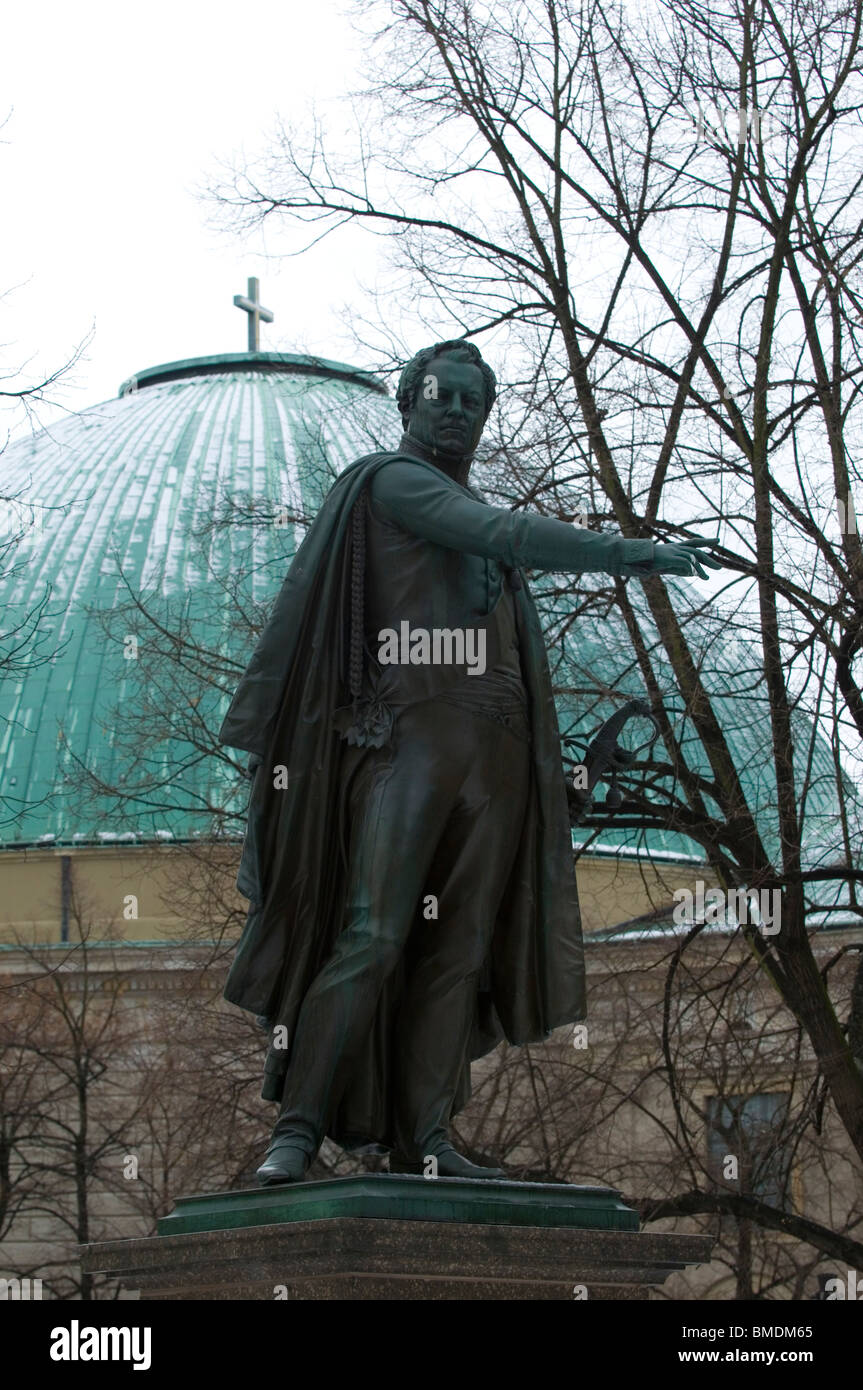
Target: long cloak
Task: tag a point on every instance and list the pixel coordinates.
(293, 863)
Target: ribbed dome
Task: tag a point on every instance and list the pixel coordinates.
(126, 487)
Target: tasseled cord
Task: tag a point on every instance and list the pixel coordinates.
(358, 585)
(366, 723)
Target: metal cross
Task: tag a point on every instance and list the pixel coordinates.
(255, 312)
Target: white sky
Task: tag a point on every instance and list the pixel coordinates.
(117, 117)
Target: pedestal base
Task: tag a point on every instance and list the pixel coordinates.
(383, 1236)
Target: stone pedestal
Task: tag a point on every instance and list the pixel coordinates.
(383, 1236)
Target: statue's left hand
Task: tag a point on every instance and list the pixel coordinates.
(684, 557)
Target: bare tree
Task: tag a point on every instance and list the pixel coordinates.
(695, 1091)
(115, 1096)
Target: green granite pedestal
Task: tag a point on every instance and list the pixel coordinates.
(382, 1236)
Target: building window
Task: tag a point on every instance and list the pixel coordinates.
(749, 1130)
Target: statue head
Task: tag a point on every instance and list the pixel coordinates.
(445, 395)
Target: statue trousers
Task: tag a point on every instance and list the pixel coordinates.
(437, 815)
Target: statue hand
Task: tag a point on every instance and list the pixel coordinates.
(685, 557)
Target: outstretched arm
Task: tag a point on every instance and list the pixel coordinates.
(430, 505)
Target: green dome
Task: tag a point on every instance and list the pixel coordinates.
(126, 487)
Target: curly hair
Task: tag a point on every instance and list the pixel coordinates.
(411, 378)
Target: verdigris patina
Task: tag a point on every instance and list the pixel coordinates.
(411, 882)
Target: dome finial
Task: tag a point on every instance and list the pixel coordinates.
(249, 303)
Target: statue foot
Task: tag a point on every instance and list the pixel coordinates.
(450, 1164)
(284, 1163)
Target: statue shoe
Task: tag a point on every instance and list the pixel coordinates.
(285, 1162)
(450, 1164)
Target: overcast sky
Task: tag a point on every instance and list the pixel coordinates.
(117, 114)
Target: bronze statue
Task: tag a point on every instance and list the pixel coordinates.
(408, 856)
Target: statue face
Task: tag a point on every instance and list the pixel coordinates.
(449, 412)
